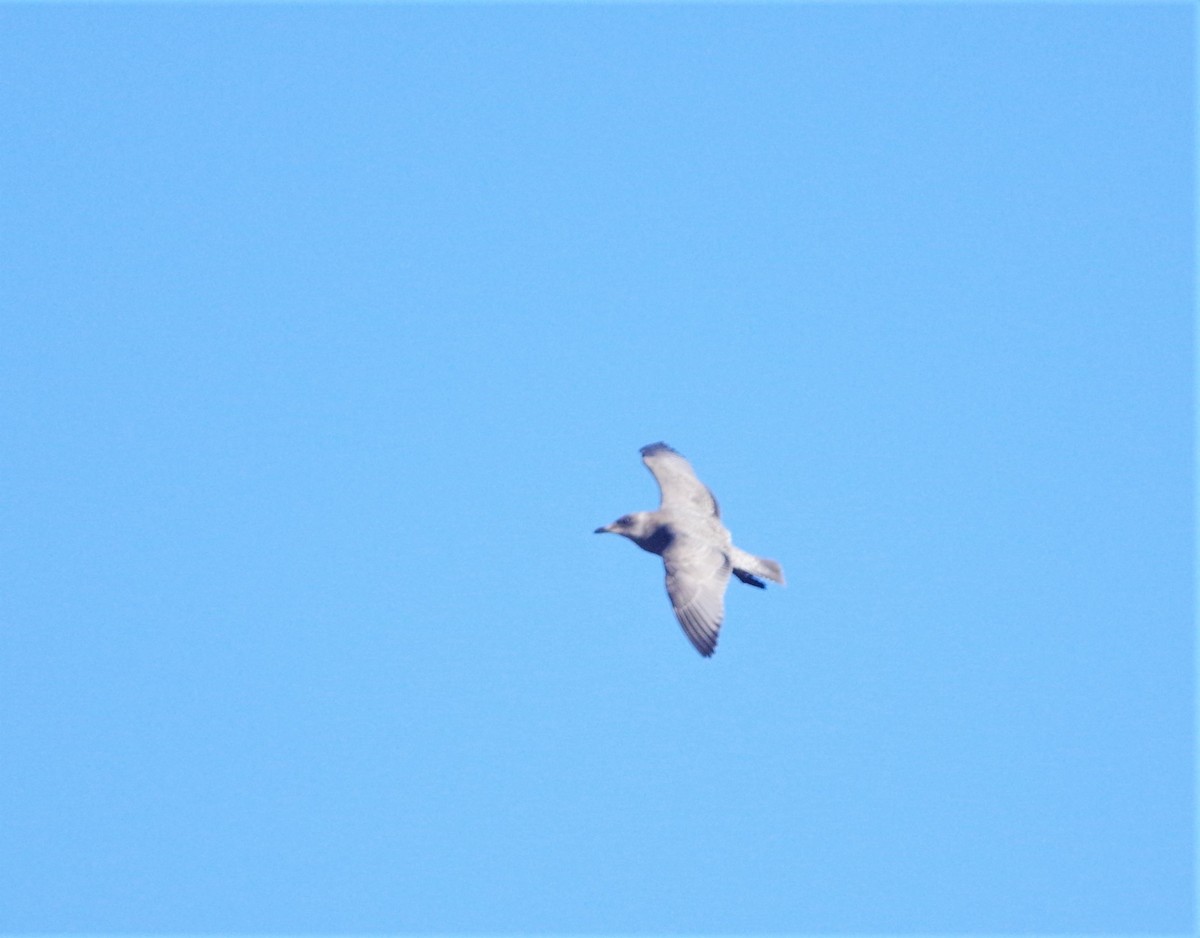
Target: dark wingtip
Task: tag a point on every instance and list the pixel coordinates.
(652, 448)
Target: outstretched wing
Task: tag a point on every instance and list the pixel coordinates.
(696, 581)
(681, 490)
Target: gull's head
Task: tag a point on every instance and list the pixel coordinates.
(634, 526)
(641, 527)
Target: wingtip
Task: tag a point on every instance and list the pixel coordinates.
(651, 448)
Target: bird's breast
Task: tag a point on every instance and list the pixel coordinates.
(657, 540)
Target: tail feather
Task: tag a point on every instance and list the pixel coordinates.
(751, 566)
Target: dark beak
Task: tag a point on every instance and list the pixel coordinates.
(600, 531)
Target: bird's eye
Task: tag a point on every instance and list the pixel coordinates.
(624, 520)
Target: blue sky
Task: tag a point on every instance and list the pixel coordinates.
(330, 334)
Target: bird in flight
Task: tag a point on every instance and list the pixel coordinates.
(696, 548)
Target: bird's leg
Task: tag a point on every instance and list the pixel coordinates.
(749, 579)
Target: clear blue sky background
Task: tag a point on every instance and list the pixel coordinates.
(330, 334)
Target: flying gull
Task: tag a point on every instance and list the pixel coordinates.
(695, 546)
